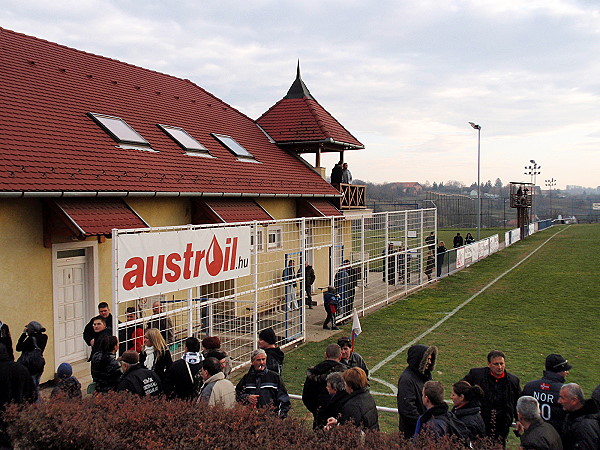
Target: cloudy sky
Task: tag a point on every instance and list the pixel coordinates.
(404, 77)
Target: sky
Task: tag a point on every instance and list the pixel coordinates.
(404, 78)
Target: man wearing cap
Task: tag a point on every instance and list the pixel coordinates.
(136, 378)
(547, 389)
(275, 357)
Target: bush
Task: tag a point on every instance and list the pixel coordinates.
(120, 420)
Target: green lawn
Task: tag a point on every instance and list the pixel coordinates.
(548, 304)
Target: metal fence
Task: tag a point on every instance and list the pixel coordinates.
(371, 259)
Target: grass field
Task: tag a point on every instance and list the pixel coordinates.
(548, 304)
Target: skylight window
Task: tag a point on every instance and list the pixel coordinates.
(119, 130)
(233, 146)
(184, 139)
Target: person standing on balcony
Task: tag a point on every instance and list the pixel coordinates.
(346, 175)
(336, 173)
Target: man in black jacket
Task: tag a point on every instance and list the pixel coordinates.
(309, 280)
(533, 431)
(88, 331)
(137, 379)
(315, 394)
(581, 429)
(261, 387)
(547, 389)
(421, 361)
(183, 377)
(501, 391)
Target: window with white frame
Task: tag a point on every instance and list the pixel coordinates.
(274, 238)
(260, 239)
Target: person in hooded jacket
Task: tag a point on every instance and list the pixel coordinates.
(16, 386)
(358, 408)
(275, 357)
(467, 408)
(183, 376)
(581, 428)
(33, 336)
(105, 369)
(315, 394)
(421, 361)
(67, 386)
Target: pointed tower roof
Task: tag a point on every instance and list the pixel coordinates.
(299, 121)
(298, 89)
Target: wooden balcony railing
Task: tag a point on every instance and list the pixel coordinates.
(353, 196)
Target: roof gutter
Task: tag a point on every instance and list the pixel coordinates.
(322, 141)
(88, 194)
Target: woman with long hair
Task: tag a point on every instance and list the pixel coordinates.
(156, 355)
(105, 368)
(359, 407)
(467, 407)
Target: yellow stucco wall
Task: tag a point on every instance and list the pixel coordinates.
(25, 272)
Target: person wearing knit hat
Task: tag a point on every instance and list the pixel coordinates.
(547, 389)
(275, 357)
(68, 386)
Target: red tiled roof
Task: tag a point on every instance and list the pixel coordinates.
(237, 210)
(92, 216)
(303, 119)
(323, 208)
(48, 143)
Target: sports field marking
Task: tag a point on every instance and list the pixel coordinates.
(458, 308)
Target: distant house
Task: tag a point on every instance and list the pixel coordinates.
(89, 144)
(407, 187)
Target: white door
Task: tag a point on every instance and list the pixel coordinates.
(71, 282)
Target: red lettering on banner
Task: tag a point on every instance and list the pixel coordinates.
(214, 260)
(233, 253)
(152, 279)
(173, 267)
(199, 256)
(154, 270)
(226, 259)
(134, 278)
(187, 257)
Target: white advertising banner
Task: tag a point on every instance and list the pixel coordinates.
(494, 243)
(460, 258)
(507, 240)
(156, 263)
(484, 248)
(474, 252)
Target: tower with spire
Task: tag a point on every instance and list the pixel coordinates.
(298, 123)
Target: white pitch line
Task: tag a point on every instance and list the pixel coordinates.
(458, 308)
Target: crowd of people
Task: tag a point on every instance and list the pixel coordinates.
(549, 413)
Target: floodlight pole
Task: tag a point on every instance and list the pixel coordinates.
(533, 170)
(478, 128)
(550, 184)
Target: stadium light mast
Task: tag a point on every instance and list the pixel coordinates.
(478, 128)
(550, 184)
(533, 170)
